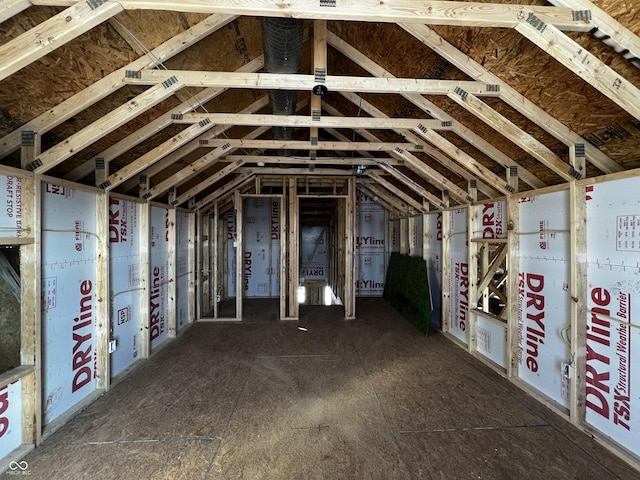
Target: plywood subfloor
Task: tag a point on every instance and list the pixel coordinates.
(366, 399)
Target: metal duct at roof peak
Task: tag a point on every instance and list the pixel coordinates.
(282, 40)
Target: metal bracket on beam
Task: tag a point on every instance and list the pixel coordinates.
(33, 165)
(28, 138)
(132, 74)
(93, 4)
(104, 185)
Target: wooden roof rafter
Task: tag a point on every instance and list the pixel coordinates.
(432, 109)
(512, 97)
(112, 82)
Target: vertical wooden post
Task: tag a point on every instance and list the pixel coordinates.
(239, 208)
(145, 265)
(446, 269)
(294, 256)
(172, 273)
(425, 231)
(473, 228)
(103, 304)
(513, 269)
(320, 72)
(214, 261)
(192, 266)
(200, 259)
(283, 255)
(350, 284)
(577, 160)
(30, 148)
(30, 305)
(578, 275)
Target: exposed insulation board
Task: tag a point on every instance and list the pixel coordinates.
(159, 291)
(126, 293)
(491, 220)
(416, 237)
(491, 339)
(10, 417)
(544, 298)
(433, 253)
(69, 293)
(182, 238)
(613, 298)
(262, 248)
(231, 253)
(370, 247)
(459, 268)
(313, 253)
(11, 209)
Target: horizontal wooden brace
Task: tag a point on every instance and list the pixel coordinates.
(300, 82)
(307, 145)
(351, 161)
(305, 121)
(472, 14)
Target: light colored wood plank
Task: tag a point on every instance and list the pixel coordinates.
(283, 252)
(583, 63)
(53, 33)
(617, 35)
(172, 274)
(431, 174)
(578, 305)
(350, 248)
(433, 110)
(103, 296)
(507, 93)
(281, 81)
(307, 145)
(429, 12)
(213, 196)
(464, 159)
(446, 269)
(156, 125)
(319, 68)
(191, 146)
(509, 130)
(474, 290)
(342, 161)
(196, 167)
(9, 8)
(145, 280)
(112, 82)
(212, 179)
(238, 204)
(157, 153)
(308, 121)
(294, 253)
(513, 287)
(103, 126)
(396, 191)
(30, 147)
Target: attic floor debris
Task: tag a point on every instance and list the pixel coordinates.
(366, 399)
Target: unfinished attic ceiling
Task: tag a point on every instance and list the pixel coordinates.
(533, 105)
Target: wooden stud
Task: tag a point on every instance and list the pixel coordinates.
(304, 145)
(145, 266)
(512, 179)
(103, 294)
(238, 203)
(350, 264)
(473, 289)
(9, 8)
(577, 161)
(294, 255)
(446, 270)
(31, 314)
(320, 70)
(283, 253)
(215, 265)
(202, 241)
(513, 288)
(578, 290)
(30, 147)
(172, 274)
